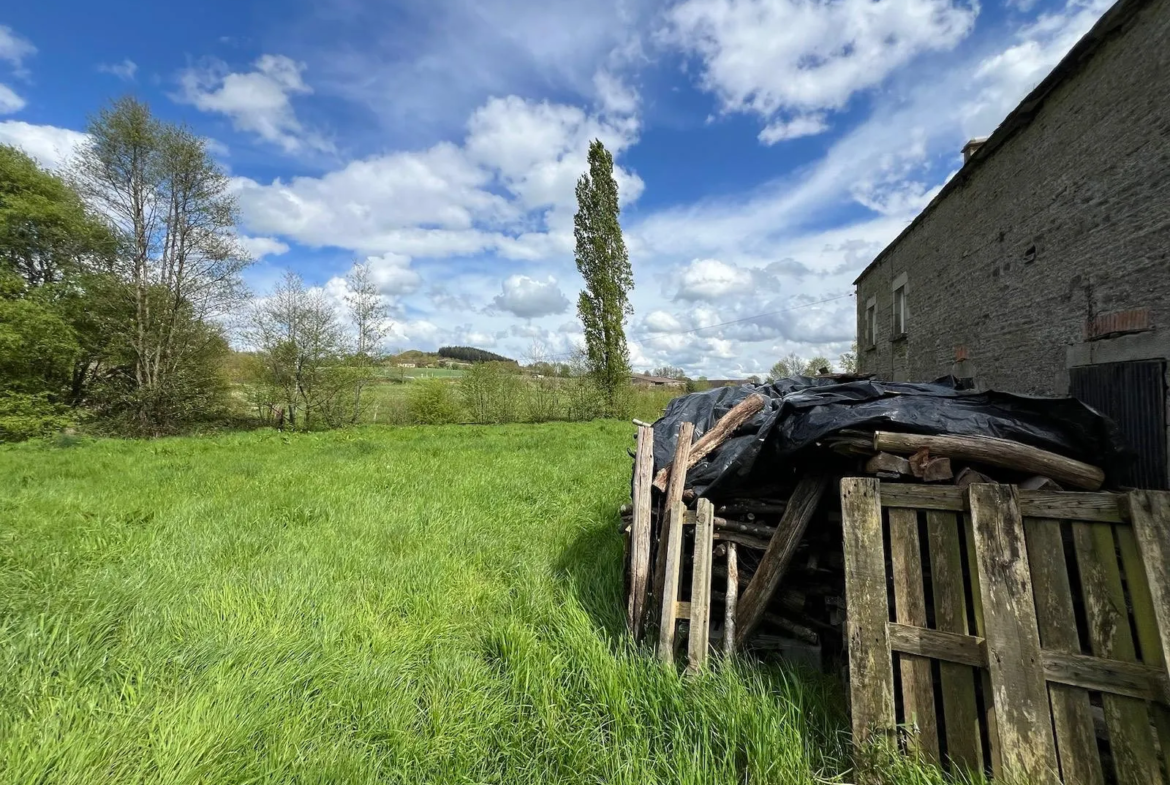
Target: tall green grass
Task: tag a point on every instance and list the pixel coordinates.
(418, 605)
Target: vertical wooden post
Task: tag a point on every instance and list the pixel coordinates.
(670, 587)
(700, 627)
(775, 560)
(640, 532)
(674, 492)
(981, 631)
(910, 609)
(730, 599)
(871, 675)
(1013, 639)
(1076, 741)
(957, 682)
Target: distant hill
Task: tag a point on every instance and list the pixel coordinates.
(469, 354)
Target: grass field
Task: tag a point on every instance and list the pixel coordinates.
(415, 605)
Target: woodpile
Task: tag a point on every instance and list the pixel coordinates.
(762, 569)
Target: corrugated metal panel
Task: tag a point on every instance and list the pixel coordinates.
(1134, 396)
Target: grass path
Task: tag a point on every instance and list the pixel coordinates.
(419, 605)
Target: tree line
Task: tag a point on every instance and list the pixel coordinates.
(470, 354)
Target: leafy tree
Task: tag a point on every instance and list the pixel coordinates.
(754, 379)
(433, 402)
(469, 354)
(370, 317)
(669, 372)
(604, 264)
(178, 254)
(492, 392)
(795, 365)
(848, 360)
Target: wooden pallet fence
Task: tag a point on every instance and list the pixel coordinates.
(989, 626)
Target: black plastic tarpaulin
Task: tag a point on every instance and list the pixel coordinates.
(802, 410)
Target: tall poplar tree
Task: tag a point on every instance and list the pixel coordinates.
(604, 264)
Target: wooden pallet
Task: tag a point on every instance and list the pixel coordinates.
(1044, 609)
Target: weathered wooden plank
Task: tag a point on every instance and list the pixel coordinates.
(746, 540)
(1145, 557)
(1027, 746)
(957, 682)
(984, 675)
(910, 610)
(666, 626)
(887, 462)
(682, 451)
(1072, 719)
(640, 533)
(775, 560)
(967, 650)
(682, 610)
(1071, 505)
(730, 599)
(710, 441)
(1126, 718)
(700, 627)
(923, 497)
(996, 452)
(1112, 677)
(871, 675)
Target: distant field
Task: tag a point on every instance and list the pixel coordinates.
(422, 373)
(411, 605)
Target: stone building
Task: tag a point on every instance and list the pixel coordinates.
(1043, 265)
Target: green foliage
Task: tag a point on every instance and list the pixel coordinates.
(669, 372)
(698, 385)
(604, 264)
(28, 415)
(795, 365)
(848, 360)
(38, 345)
(433, 402)
(493, 393)
(470, 354)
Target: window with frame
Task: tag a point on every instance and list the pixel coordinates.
(871, 323)
(900, 310)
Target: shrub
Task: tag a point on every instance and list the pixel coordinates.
(492, 392)
(25, 416)
(433, 402)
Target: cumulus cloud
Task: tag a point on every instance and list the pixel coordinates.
(529, 298)
(803, 125)
(14, 48)
(768, 56)
(9, 101)
(393, 275)
(259, 101)
(50, 146)
(124, 70)
(259, 247)
(711, 279)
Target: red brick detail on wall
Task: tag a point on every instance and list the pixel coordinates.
(960, 353)
(1135, 321)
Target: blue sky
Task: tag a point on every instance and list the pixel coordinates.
(766, 149)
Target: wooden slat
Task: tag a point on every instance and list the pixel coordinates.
(1071, 506)
(910, 610)
(871, 675)
(775, 560)
(1145, 556)
(712, 439)
(1072, 719)
(700, 627)
(984, 676)
(923, 497)
(1126, 718)
(640, 533)
(731, 597)
(746, 540)
(957, 682)
(1027, 746)
(966, 650)
(1112, 677)
(682, 451)
(666, 626)
(996, 452)
(682, 610)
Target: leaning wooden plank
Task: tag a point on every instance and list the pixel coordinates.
(996, 452)
(746, 540)
(730, 599)
(719, 433)
(1126, 718)
(783, 544)
(1072, 718)
(983, 675)
(871, 675)
(1013, 640)
(640, 533)
(967, 650)
(1148, 577)
(910, 610)
(957, 682)
(686, 433)
(670, 589)
(700, 628)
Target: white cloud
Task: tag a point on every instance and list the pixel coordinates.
(802, 125)
(124, 70)
(769, 56)
(711, 279)
(9, 101)
(508, 189)
(614, 94)
(393, 275)
(259, 247)
(14, 48)
(529, 298)
(258, 101)
(50, 146)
